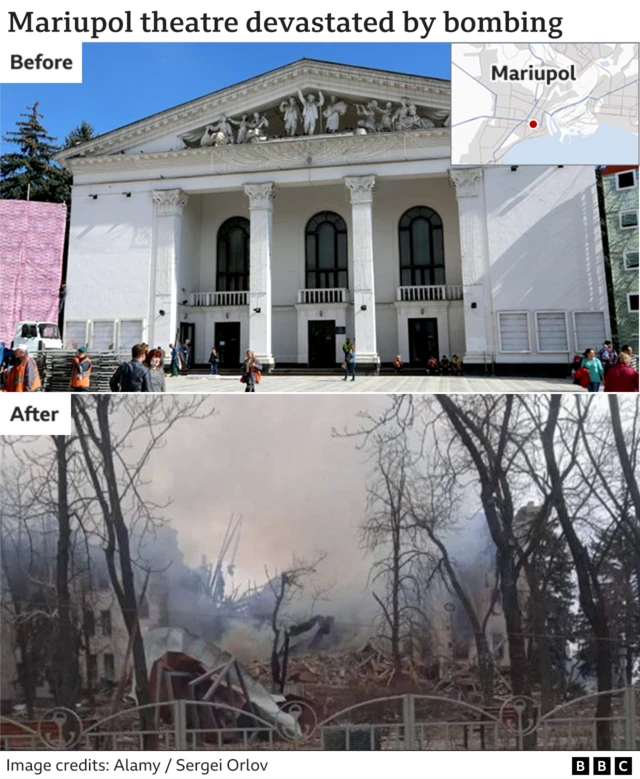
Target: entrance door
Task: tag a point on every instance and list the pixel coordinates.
(322, 343)
(423, 341)
(228, 344)
(188, 330)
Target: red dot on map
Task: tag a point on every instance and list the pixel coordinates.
(533, 124)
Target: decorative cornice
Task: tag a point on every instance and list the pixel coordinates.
(169, 202)
(314, 151)
(466, 181)
(261, 196)
(191, 115)
(361, 188)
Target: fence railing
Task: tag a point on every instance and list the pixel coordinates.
(427, 293)
(219, 298)
(411, 722)
(330, 295)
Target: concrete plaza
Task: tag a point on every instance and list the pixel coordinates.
(385, 384)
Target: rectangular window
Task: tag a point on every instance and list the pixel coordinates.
(129, 333)
(105, 622)
(626, 180)
(513, 327)
(75, 334)
(109, 667)
(102, 334)
(631, 260)
(629, 219)
(589, 329)
(551, 331)
(632, 302)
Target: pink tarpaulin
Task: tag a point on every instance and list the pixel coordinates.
(31, 247)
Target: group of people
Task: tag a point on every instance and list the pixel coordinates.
(615, 370)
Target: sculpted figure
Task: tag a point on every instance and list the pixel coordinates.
(291, 114)
(224, 127)
(332, 114)
(243, 127)
(310, 110)
(208, 139)
(368, 111)
(386, 118)
(255, 127)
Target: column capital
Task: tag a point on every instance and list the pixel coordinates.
(261, 196)
(169, 202)
(467, 181)
(361, 188)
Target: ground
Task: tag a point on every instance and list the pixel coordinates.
(386, 384)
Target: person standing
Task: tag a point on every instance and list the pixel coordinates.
(350, 360)
(626, 349)
(607, 356)
(156, 370)
(346, 347)
(175, 360)
(213, 362)
(132, 376)
(397, 364)
(185, 353)
(23, 376)
(81, 371)
(596, 371)
(622, 377)
(251, 372)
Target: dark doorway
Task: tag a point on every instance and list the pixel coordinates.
(322, 344)
(188, 330)
(423, 341)
(228, 344)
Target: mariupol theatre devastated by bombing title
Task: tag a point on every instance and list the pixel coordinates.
(318, 201)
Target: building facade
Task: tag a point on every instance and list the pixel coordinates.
(318, 201)
(620, 196)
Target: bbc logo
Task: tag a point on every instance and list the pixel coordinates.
(601, 766)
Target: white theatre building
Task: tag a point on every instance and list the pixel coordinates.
(318, 201)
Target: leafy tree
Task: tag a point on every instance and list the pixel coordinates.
(30, 173)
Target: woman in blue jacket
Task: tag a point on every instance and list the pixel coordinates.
(596, 371)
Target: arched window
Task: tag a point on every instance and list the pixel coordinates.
(421, 248)
(326, 251)
(232, 265)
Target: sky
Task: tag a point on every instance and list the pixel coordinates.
(125, 82)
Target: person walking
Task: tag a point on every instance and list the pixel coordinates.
(132, 376)
(175, 360)
(596, 371)
(23, 376)
(607, 356)
(80, 371)
(622, 377)
(397, 364)
(185, 353)
(156, 370)
(213, 362)
(350, 363)
(251, 372)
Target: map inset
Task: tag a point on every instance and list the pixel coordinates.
(544, 104)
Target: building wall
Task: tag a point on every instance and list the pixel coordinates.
(624, 280)
(545, 250)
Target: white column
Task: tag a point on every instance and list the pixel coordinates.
(169, 204)
(364, 305)
(261, 198)
(478, 309)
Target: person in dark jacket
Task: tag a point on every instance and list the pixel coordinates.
(622, 377)
(132, 376)
(350, 363)
(214, 359)
(185, 353)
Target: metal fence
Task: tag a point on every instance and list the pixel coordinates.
(415, 722)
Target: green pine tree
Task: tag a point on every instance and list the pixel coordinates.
(30, 172)
(82, 133)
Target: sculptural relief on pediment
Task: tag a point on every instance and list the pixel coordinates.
(314, 113)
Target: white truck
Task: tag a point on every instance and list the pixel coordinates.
(36, 336)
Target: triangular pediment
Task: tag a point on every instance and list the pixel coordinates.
(305, 98)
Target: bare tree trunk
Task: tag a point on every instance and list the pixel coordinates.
(591, 597)
(65, 649)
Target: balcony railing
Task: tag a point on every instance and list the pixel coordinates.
(331, 295)
(219, 298)
(425, 294)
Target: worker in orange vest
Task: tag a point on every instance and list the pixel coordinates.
(23, 376)
(81, 371)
